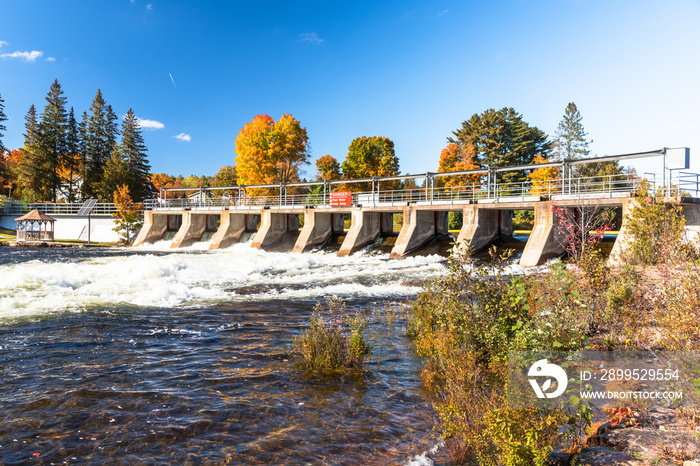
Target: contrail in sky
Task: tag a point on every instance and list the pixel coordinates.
(171, 78)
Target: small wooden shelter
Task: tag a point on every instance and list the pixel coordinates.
(35, 226)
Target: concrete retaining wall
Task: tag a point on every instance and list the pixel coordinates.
(71, 227)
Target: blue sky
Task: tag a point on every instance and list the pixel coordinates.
(405, 69)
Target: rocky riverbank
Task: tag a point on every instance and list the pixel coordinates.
(658, 437)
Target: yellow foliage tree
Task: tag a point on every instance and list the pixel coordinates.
(271, 152)
(128, 215)
(541, 177)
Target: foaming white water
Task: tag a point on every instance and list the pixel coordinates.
(194, 278)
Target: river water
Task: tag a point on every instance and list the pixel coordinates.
(157, 356)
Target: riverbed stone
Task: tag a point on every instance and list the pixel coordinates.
(559, 458)
(599, 456)
(659, 437)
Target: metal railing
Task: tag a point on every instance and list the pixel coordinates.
(432, 191)
(14, 207)
(601, 187)
(681, 184)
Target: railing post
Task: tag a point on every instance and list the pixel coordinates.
(488, 183)
(432, 187)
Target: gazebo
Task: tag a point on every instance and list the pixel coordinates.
(35, 226)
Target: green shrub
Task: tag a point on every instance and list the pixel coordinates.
(678, 309)
(523, 219)
(455, 220)
(657, 229)
(331, 347)
(465, 324)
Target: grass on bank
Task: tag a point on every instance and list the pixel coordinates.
(7, 235)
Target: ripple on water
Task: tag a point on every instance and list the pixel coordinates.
(126, 383)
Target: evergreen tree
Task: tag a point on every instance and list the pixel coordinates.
(129, 163)
(2, 126)
(72, 162)
(114, 174)
(100, 134)
(112, 127)
(82, 148)
(501, 138)
(570, 138)
(571, 143)
(53, 134)
(32, 170)
(31, 127)
(3, 169)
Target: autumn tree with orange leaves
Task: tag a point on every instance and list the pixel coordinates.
(458, 157)
(328, 168)
(162, 180)
(226, 176)
(271, 152)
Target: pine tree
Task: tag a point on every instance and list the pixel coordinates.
(2, 126)
(571, 143)
(53, 134)
(31, 127)
(3, 170)
(72, 160)
(100, 134)
(112, 127)
(502, 138)
(114, 174)
(570, 138)
(32, 170)
(82, 147)
(130, 159)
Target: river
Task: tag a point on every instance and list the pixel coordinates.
(158, 356)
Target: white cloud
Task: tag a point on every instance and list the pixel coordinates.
(2, 42)
(311, 37)
(26, 56)
(150, 124)
(50, 59)
(183, 137)
(444, 12)
(149, 6)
